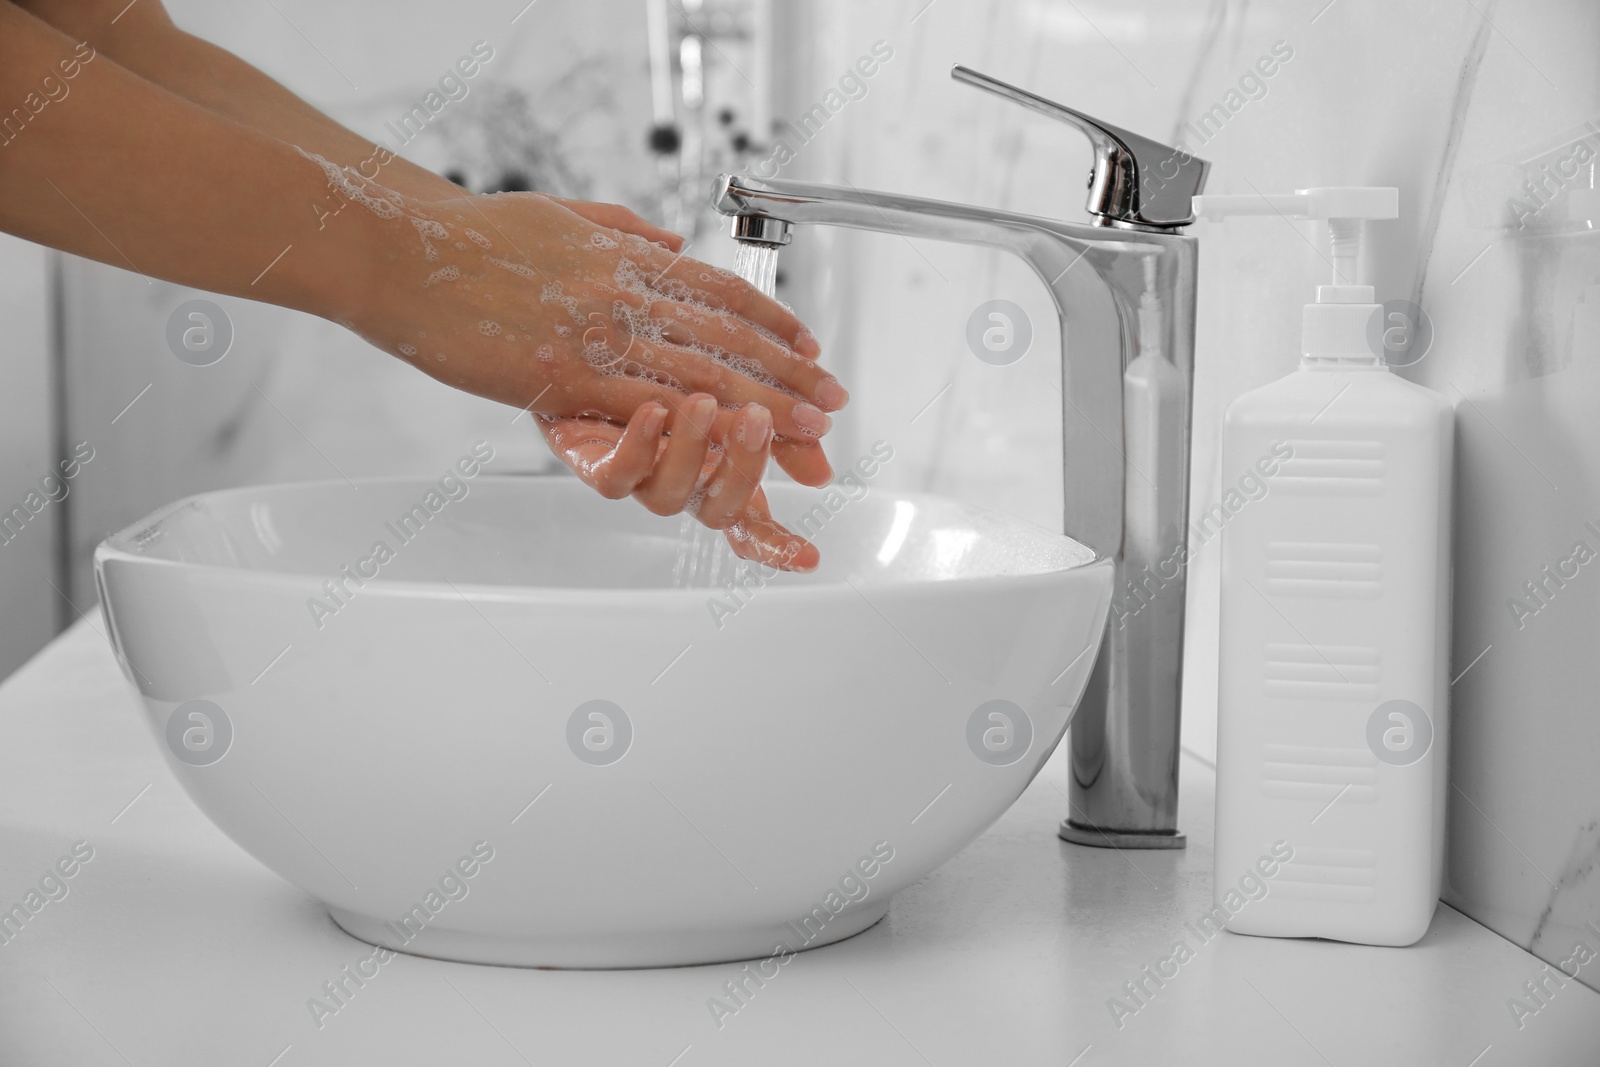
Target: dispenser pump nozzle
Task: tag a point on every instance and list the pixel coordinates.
(1344, 207)
(1335, 326)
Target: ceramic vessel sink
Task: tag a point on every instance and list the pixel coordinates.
(503, 720)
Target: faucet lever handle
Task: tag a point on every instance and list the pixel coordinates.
(1135, 181)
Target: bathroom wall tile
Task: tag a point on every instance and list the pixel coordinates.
(1507, 268)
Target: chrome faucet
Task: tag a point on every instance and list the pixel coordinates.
(1124, 288)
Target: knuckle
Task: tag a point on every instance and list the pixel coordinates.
(741, 338)
(713, 377)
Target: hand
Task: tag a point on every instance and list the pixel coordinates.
(520, 299)
(618, 460)
(685, 472)
(803, 460)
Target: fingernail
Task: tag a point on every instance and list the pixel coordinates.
(654, 419)
(804, 338)
(831, 394)
(755, 427)
(702, 413)
(810, 419)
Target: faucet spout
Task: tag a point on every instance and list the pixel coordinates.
(1124, 292)
(780, 200)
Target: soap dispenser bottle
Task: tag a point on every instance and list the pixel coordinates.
(1332, 718)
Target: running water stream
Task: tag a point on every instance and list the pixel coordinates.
(757, 263)
(703, 555)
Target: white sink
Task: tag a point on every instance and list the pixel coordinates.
(772, 780)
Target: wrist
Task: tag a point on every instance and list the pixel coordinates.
(349, 246)
(410, 179)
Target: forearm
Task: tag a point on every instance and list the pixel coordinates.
(115, 168)
(144, 40)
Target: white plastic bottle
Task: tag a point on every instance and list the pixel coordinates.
(1333, 697)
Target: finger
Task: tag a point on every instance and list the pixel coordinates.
(581, 443)
(687, 325)
(758, 538)
(618, 217)
(738, 475)
(629, 462)
(724, 290)
(617, 398)
(697, 371)
(676, 474)
(804, 461)
(611, 459)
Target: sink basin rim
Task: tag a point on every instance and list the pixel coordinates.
(118, 546)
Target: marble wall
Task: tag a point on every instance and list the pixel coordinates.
(1458, 104)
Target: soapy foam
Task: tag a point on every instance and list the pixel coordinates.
(429, 231)
(692, 307)
(521, 270)
(552, 293)
(599, 355)
(353, 187)
(633, 244)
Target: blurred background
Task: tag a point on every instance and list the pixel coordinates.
(1486, 115)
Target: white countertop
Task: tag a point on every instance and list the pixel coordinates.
(173, 947)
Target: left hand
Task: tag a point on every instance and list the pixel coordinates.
(667, 461)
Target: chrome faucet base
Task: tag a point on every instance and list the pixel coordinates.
(1119, 839)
